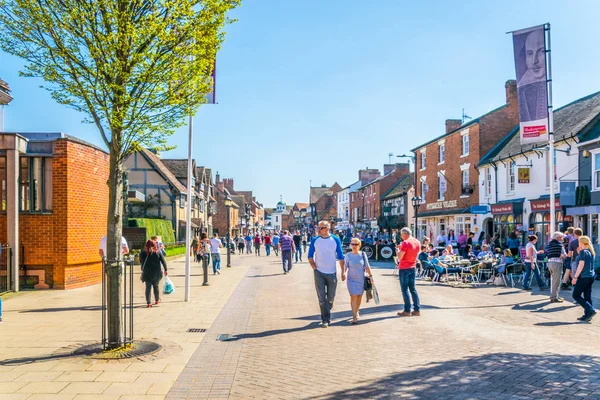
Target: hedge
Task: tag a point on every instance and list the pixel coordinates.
(155, 227)
(175, 251)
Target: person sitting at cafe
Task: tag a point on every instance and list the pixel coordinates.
(506, 260)
(469, 252)
(442, 268)
(485, 252)
(449, 251)
(430, 248)
(498, 253)
(476, 250)
(424, 258)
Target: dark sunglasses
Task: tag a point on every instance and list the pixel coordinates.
(353, 244)
(322, 227)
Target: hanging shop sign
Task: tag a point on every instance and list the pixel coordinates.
(524, 175)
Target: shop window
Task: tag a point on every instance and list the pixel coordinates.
(35, 184)
(443, 225)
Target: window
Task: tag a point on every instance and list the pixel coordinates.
(442, 152)
(423, 160)
(423, 191)
(441, 187)
(462, 224)
(3, 184)
(595, 171)
(465, 144)
(35, 184)
(182, 200)
(488, 182)
(511, 177)
(465, 178)
(276, 218)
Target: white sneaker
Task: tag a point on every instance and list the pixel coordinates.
(219, 272)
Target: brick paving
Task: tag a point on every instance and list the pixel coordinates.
(469, 343)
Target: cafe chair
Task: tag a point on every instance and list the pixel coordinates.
(515, 270)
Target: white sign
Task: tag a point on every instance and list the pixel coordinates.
(442, 204)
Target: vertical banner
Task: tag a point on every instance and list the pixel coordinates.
(530, 65)
(211, 97)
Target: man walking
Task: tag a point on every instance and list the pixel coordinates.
(276, 243)
(215, 246)
(572, 254)
(286, 246)
(268, 244)
(248, 243)
(298, 244)
(555, 253)
(323, 254)
(257, 241)
(408, 252)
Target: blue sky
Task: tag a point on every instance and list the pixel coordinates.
(317, 89)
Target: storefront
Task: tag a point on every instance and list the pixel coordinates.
(508, 218)
(432, 223)
(585, 217)
(539, 219)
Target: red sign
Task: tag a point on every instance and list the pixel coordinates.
(544, 205)
(534, 131)
(502, 208)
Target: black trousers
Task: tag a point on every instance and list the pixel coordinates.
(152, 285)
(582, 294)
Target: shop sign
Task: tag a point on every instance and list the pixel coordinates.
(567, 193)
(523, 175)
(502, 208)
(442, 204)
(544, 205)
(483, 209)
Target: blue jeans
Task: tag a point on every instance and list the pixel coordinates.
(298, 253)
(216, 262)
(527, 278)
(286, 258)
(325, 285)
(268, 249)
(582, 294)
(407, 284)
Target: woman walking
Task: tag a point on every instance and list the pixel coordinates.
(531, 265)
(356, 264)
(151, 259)
(583, 278)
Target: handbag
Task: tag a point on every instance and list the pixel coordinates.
(368, 282)
(376, 295)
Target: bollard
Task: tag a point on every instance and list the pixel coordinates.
(205, 270)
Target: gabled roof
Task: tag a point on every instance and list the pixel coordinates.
(407, 180)
(300, 206)
(350, 185)
(162, 169)
(317, 192)
(573, 119)
(177, 167)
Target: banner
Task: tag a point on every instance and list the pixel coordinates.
(532, 90)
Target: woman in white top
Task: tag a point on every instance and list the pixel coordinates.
(531, 266)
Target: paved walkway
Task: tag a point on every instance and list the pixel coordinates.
(41, 329)
(468, 344)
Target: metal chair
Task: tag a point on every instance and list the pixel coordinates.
(485, 268)
(515, 270)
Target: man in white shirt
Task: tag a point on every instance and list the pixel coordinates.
(323, 254)
(215, 245)
(124, 246)
(441, 239)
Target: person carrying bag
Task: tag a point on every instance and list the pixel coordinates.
(357, 265)
(153, 263)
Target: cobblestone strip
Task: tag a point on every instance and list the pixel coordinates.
(210, 372)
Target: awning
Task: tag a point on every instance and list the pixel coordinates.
(182, 223)
(583, 210)
(543, 204)
(441, 213)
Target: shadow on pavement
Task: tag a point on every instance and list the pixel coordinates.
(490, 376)
(31, 360)
(559, 323)
(263, 276)
(59, 309)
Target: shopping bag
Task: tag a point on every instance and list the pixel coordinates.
(168, 287)
(375, 294)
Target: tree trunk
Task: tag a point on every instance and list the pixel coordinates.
(114, 255)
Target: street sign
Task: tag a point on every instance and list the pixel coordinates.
(482, 209)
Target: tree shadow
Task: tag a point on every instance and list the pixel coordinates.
(35, 359)
(490, 376)
(264, 275)
(59, 309)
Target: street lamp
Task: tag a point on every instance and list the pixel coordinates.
(416, 202)
(228, 204)
(332, 220)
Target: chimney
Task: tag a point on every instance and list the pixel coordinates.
(217, 177)
(401, 169)
(511, 91)
(228, 183)
(452, 125)
(368, 174)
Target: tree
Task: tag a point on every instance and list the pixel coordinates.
(135, 68)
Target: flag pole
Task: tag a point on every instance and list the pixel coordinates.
(188, 222)
(550, 130)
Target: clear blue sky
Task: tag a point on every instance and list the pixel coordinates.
(316, 89)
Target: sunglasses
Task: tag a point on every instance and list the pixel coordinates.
(353, 244)
(322, 227)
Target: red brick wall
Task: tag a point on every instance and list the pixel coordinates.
(65, 242)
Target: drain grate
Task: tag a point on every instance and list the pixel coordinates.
(196, 330)
(223, 337)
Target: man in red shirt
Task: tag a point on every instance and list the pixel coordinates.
(407, 252)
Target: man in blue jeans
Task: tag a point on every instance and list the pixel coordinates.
(215, 246)
(323, 254)
(407, 252)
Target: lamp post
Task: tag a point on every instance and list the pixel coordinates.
(332, 220)
(416, 202)
(228, 206)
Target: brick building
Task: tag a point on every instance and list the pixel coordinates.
(55, 206)
(220, 216)
(446, 178)
(365, 202)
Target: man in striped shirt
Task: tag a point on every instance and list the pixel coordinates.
(287, 248)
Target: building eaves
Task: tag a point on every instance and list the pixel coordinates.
(163, 170)
(407, 180)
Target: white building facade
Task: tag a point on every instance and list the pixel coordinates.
(343, 205)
